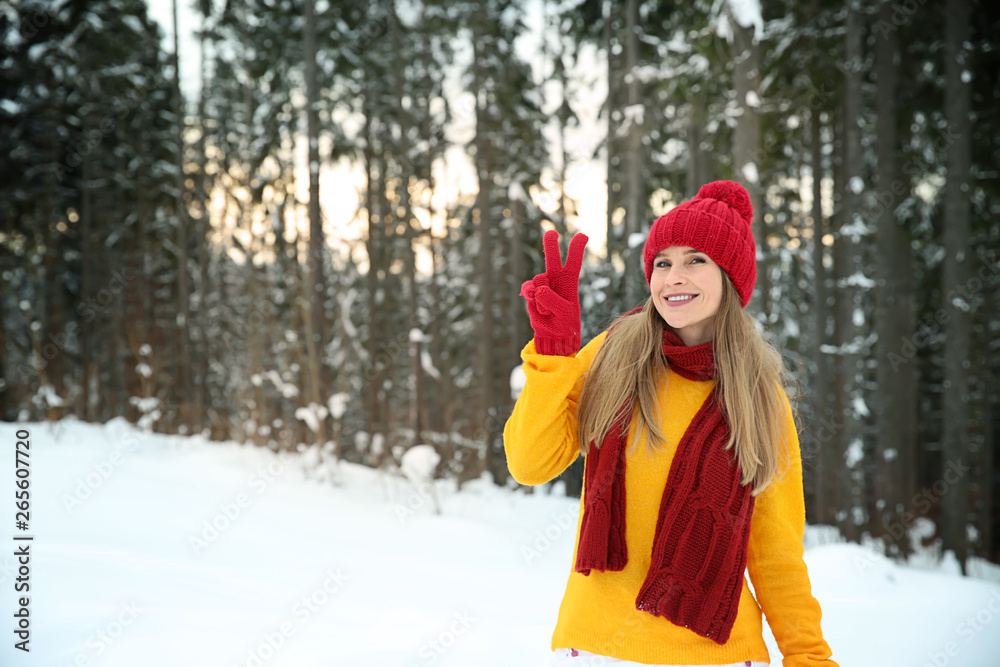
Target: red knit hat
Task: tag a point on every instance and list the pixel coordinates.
(716, 222)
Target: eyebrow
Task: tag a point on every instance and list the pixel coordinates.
(690, 251)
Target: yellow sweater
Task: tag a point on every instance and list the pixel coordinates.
(598, 611)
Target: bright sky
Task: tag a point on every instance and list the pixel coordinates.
(342, 185)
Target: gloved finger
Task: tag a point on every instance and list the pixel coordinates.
(553, 258)
(546, 298)
(527, 289)
(533, 314)
(574, 256)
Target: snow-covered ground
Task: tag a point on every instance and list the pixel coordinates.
(164, 551)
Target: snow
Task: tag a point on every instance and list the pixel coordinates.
(427, 364)
(645, 74)
(854, 453)
(856, 229)
(636, 239)
(856, 185)
(311, 415)
(419, 462)
(346, 300)
(672, 150)
(464, 379)
(515, 192)
(48, 393)
(287, 389)
(599, 283)
(961, 304)
(378, 444)
(517, 380)
(134, 23)
(751, 99)
(791, 327)
(36, 51)
(162, 550)
(338, 404)
(145, 404)
(678, 43)
(750, 172)
(697, 64)
(746, 13)
(860, 407)
(633, 113)
(858, 279)
(11, 107)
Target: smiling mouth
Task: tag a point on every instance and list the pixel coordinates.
(679, 300)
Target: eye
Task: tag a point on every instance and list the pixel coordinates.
(664, 263)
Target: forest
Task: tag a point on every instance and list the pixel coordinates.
(315, 243)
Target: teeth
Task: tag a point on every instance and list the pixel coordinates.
(679, 298)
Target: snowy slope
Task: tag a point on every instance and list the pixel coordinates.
(298, 572)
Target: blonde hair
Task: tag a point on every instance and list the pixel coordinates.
(751, 375)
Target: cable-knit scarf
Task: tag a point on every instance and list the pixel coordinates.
(699, 554)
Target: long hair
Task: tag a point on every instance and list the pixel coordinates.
(629, 366)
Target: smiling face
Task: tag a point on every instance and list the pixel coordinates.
(682, 271)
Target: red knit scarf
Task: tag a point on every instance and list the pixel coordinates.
(695, 576)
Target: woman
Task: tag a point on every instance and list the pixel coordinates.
(667, 530)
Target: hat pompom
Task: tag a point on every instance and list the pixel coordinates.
(731, 193)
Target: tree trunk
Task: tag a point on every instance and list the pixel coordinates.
(430, 403)
(635, 185)
(895, 401)
(612, 246)
(111, 391)
(317, 291)
(699, 169)
(416, 422)
(435, 408)
(200, 415)
(822, 437)
(988, 463)
(183, 389)
(839, 478)
(519, 323)
(87, 263)
(373, 247)
(846, 265)
(483, 217)
(746, 148)
(955, 276)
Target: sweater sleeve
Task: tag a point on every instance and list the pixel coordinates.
(776, 567)
(540, 436)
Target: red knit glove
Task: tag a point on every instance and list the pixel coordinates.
(553, 297)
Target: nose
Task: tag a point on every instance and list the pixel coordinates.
(675, 274)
